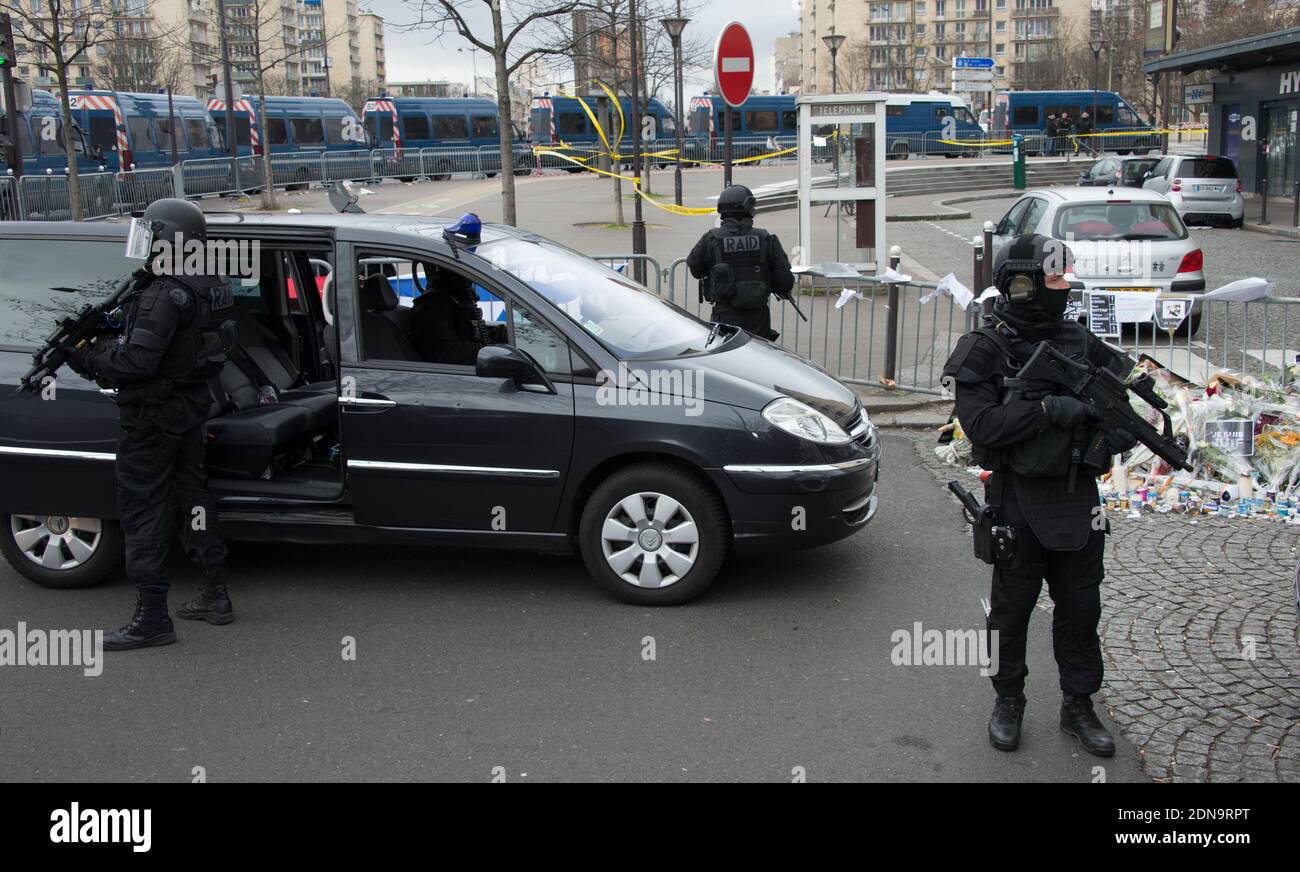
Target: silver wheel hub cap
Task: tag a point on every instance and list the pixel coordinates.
(650, 540)
(56, 542)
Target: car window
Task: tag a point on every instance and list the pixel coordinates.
(762, 121)
(1112, 221)
(1011, 220)
(417, 126)
(197, 131)
(308, 131)
(276, 132)
(572, 123)
(1208, 168)
(42, 281)
(1135, 170)
(1161, 169)
(540, 342)
(623, 315)
(1037, 209)
(103, 132)
(165, 136)
(430, 313)
(485, 126)
(51, 136)
(141, 137)
(450, 127)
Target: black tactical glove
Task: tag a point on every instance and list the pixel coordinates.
(1067, 412)
(78, 360)
(1119, 441)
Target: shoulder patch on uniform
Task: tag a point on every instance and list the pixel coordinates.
(178, 297)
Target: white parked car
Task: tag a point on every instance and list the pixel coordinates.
(1204, 189)
(1122, 239)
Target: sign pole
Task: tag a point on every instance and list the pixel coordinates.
(726, 150)
(733, 71)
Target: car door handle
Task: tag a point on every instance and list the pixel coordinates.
(368, 402)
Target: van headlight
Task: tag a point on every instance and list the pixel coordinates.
(802, 420)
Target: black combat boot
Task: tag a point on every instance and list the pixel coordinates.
(1004, 725)
(149, 627)
(211, 605)
(1079, 720)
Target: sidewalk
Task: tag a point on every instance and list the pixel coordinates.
(1281, 215)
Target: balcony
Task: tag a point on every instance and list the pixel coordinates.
(1041, 12)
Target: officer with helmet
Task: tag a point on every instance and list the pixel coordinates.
(447, 324)
(178, 332)
(1043, 499)
(738, 265)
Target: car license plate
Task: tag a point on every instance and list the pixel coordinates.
(1209, 189)
(1127, 290)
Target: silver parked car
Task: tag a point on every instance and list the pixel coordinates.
(1128, 239)
(1204, 189)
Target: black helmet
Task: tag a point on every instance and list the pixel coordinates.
(1021, 266)
(737, 200)
(172, 218)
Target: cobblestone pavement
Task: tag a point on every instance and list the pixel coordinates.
(1199, 635)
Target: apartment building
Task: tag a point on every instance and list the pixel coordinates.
(908, 45)
(294, 41)
(787, 64)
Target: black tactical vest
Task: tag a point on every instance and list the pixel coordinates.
(741, 276)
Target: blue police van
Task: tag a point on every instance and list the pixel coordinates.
(465, 129)
(127, 130)
(40, 137)
(914, 123)
(562, 120)
(292, 124)
(1025, 112)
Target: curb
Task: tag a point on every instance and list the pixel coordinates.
(1270, 230)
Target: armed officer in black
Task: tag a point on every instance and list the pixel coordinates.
(1034, 441)
(739, 265)
(178, 333)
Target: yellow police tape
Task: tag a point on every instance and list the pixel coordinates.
(617, 156)
(982, 143)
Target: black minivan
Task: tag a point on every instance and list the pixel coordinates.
(591, 414)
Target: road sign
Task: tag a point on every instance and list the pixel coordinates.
(985, 76)
(733, 64)
(972, 63)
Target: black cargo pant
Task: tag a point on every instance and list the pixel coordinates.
(1074, 584)
(756, 321)
(160, 483)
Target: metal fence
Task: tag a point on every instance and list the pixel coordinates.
(48, 197)
(901, 333)
(9, 209)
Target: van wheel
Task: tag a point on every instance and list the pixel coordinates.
(899, 150)
(61, 552)
(653, 535)
(442, 171)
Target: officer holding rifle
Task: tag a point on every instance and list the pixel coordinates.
(1045, 450)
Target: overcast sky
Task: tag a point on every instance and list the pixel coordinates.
(416, 56)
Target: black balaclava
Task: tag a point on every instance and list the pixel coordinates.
(1020, 273)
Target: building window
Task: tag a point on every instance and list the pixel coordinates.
(940, 7)
(1000, 27)
(1000, 48)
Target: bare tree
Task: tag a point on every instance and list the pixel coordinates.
(515, 32)
(262, 44)
(134, 61)
(61, 34)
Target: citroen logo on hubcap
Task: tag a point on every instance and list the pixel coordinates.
(650, 539)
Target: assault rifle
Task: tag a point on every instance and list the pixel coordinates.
(76, 330)
(1107, 394)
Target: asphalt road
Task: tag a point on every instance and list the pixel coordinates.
(468, 661)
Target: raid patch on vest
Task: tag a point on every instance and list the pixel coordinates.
(740, 244)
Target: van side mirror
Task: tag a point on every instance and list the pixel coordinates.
(506, 361)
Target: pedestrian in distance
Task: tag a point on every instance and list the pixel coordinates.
(1049, 135)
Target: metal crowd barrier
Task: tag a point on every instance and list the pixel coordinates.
(47, 197)
(135, 190)
(627, 265)
(9, 205)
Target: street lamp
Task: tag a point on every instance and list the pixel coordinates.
(1096, 45)
(675, 26)
(833, 42)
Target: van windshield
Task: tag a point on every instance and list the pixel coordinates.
(628, 319)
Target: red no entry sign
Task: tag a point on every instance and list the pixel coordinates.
(733, 64)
